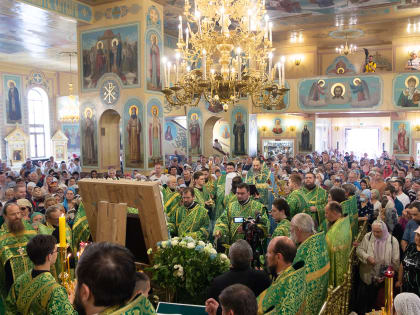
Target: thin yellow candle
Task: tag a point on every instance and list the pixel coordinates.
(62, 230)
(68, 263)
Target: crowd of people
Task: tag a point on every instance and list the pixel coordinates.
(300, 217)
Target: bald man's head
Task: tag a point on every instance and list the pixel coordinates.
(172, 182)
(285, 246)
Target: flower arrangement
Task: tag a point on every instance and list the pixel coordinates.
(184, 265)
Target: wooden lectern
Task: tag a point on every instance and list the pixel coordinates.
(106, 201)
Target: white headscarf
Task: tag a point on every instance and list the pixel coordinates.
(228, 182)
(407, 304)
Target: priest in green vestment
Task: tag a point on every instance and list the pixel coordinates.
(259, 175)
(312, 249)
(202, 195)
(171, 197)
(226, 229)
(316, 197)
(339, 241)
(351, 209)
(190, 219)
(220, 191)
(37, 291)
(106, 280)
(287, 294)
(80, 230)
(14, 236)
(280, 211)
(296, 198)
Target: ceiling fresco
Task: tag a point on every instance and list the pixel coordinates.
(29, 35)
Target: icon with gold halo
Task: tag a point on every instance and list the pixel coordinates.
(321, 83)
(194, 116)
(131, 108)
(100, 45)
(154, 110)
(88, 112)
(338, 90)
(412, 78)
(10, 82)
(114, 42)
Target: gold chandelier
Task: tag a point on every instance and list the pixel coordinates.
(226, 54)
(346, 49)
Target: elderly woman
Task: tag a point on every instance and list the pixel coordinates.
(365, 207)
(409, 273)
(376, 252)
(407, 304)
(375, 200)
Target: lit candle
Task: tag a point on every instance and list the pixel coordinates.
(68, 264)
(177, 56)
(266, 27)
(270, 26)
(278, 67)
(180, 29)
(238, 52)
(198, 16)
(62, 230)
(204, 63)
(283, 60)
(187, 37)
(270, 61)
(222, 13)
(249, 20)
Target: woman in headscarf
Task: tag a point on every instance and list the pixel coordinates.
(376, 203)
(70, 205)
(407, 304)
(376, 252)
(37, 218)
(365, 207)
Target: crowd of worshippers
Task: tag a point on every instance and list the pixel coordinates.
(299, 217)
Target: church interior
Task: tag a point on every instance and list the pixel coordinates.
(106, 86)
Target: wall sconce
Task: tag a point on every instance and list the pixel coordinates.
(264, 129)
(297, 59)
(386, 128)
(336, 128)
(292, 128)
(417, 127)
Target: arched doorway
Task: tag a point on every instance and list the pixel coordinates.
(216, 128)
(109, 139)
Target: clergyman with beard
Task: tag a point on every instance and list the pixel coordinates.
(316, 197)
(313, 250)
(106, 280)
(14, 235)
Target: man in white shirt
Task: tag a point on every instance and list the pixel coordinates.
(403, 198)
(158, 176)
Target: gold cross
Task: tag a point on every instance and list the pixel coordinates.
(21, 250)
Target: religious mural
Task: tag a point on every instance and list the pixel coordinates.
(155, 131)
(340, 93)
(110, 50)
(401, 138)
(12, 91)
(175, 139)
(72, 133)
(195, 131)
(341, 65)
(277, 129)
(153, 18)
(305, 136)
(282, 106)
(153, 56)
(133, 130)
(215, 107)
(406, 90)
(89, 126)
(414, 62)
(239, 119)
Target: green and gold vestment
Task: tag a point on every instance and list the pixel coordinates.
(39, 295)
(229, 229)
(201, 195)
(229, 199)
(286, 295)
(297, 202)
(313, 251)
(13, 250)
(349, 207)
(282, 229)
(339, 242)
(318, 198)
(80, 230)
(192, 221)
(261, 181)
(139, 306)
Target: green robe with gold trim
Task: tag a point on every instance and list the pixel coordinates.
(39, 295)
(282, 229)
(81, 231)
(201, 195)
(318, 198)
(349, 207)
(286, 295)
(229, 229)
(13, 250)
(261, 181)
(297, 202)
(193, 221)
(313, 251)
(229, 199)
(139, 306)
(339, 242)
(171, 200)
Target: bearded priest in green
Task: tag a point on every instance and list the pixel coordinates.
(80, 230)
(287, 294)
(36, 291)
(339, 241)
(280, 211)
(14, 236)
(245, 207)
(171, 197)
(296, 198)
(191, 219)
(220, 191)
(202, 195)
(317, 198)
(260, 177)
(312, 249)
